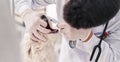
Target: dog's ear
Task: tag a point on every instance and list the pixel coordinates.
(89, 13)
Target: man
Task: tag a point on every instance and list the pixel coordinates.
(83, 50)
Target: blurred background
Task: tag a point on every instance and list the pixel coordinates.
(12, 30)
(9, 36)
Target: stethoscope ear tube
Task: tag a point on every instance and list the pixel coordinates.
(98, 46)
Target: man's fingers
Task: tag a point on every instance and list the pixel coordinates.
(38, 35)
(33, 38)
(43, 30)
(43, 23)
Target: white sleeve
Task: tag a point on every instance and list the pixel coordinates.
(110, 47)
(22, 5)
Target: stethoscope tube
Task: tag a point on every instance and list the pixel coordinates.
(98, 46)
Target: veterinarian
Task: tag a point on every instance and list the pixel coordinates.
(79, 40)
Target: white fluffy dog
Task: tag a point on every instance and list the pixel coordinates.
(47, 51)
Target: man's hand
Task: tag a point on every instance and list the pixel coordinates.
(35, 26)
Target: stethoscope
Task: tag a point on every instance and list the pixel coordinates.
(72, 44)
(98, 46)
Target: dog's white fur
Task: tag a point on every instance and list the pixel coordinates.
(47, 51)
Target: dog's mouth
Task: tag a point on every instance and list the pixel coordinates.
(48, 25)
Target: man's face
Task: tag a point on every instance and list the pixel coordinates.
(69, 32)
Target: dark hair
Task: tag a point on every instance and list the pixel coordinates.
(89, 13)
